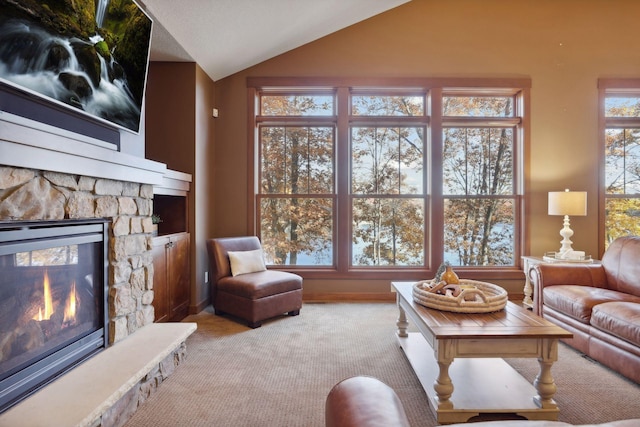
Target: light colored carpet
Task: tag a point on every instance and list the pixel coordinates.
(281, 373)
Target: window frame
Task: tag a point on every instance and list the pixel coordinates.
(433, 122)
(607, 87)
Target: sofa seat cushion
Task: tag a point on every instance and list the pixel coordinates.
(621, 319)
(260, 285)
(578, 301)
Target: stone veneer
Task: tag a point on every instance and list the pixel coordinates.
(27, 194)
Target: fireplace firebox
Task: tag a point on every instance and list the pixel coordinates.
(53, 301)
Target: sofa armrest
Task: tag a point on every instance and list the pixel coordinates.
(363, 401)
(543, 275)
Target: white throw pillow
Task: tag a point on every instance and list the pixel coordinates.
(243, 262)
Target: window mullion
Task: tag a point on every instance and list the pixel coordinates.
(466, 161)
(308, 161)
(399, 162)
(624, 161)
(342, 210)
(434, 235)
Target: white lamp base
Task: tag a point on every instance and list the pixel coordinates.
(566, 233)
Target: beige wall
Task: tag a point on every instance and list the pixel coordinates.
(563, 46)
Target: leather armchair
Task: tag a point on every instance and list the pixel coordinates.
(253, 297)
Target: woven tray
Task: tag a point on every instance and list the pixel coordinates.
(483, 298)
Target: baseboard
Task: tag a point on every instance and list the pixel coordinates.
(349, 296)
(516, 297)
(198, 308)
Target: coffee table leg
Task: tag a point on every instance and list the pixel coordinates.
(544, 383)
(443, 385)
(402, 322)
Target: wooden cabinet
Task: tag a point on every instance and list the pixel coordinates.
(172, 248)
(172, 211)
(171, 277)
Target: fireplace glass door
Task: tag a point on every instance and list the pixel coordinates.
(52, 302)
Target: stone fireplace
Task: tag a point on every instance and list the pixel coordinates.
(27, 194)
(47, 174)
(53, 309)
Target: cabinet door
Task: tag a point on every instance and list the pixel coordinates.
(160, 279)
(180, 275)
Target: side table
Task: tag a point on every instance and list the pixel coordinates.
(529, 262)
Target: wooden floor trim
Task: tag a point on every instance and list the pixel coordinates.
(349, 296)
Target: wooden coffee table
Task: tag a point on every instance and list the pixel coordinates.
(484, 382)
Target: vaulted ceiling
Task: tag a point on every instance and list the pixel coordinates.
(227, 36)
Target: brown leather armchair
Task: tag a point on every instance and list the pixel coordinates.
(254, 296)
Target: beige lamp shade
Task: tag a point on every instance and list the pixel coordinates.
(572, 203)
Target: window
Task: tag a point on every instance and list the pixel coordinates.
(395, 178)
(387, 197)
(297, 196)
(621, 145)
(478, 180)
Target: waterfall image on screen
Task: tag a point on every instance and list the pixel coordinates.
(90, 55)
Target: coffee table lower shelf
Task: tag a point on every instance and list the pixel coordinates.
(482, 385)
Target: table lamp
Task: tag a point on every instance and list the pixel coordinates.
(567, 203)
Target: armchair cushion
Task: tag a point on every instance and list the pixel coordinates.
(260, 284)
(243, 262)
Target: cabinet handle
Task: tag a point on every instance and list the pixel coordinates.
(169, 245)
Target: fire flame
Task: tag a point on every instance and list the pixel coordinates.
(70, 306)
(48, 301)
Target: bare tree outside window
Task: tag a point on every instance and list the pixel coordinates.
(388, 208)
(478, 179)
(387, 181)
(296, 225)
(622, 167)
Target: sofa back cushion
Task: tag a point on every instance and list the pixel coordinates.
(622, 266)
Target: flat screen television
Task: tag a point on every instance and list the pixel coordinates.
(89, 56)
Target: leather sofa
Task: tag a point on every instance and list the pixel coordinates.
(363, 401)
(598, 303)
